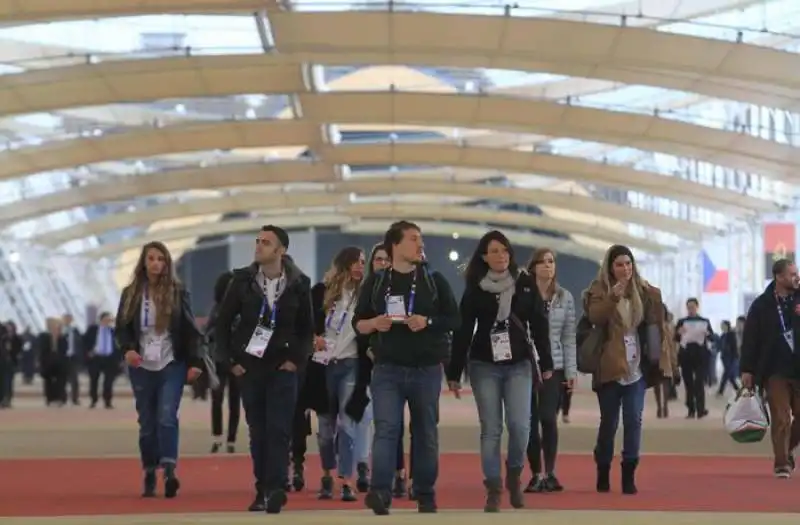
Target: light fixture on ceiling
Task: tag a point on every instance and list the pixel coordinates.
(250, 113)
(453, 255)
(14, 257)
(180, 108)
(455, 235)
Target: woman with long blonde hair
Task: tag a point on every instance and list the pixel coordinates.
(339, 349)
(157, 334)
(630, 312)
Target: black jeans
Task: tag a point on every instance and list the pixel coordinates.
(108, 367)
(226, 379)
(269, 398)
(72, 372)
(693, 362)
(301, 429)
(566, 399)
(544, 409)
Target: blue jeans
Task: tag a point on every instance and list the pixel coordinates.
(392, 386)
(612, 397)
(363, 435)
(498, 389)
(158, 399)
(269, 398)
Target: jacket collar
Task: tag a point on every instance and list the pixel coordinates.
(290, 270)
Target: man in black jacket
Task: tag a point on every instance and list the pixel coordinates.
(273, 339)
(770, 358)
(409, 313)
(693, 333)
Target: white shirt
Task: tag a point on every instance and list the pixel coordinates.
(272, 287)
(339, 328)
(148, 333)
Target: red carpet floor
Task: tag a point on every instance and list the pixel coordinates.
(219, 484)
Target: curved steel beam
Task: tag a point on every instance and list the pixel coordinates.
(306, 221)
(305, 202)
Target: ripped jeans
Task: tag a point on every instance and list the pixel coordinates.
(158, 398)
(337, 431)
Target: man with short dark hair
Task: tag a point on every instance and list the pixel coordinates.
(271, 341)
(102, 359)
(409, 313)
(770, 359)
(693, 333)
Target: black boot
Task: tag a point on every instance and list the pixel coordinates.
(514, 487)
(298, 480)
(629, 477)
(171, 483)
(603, 478)
(259, 503)
(275, 501)
(362, 482)
(493, 489)
(149, 484)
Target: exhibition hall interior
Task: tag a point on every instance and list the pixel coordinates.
(160, 158)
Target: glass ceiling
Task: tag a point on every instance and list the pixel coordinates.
(45, 45)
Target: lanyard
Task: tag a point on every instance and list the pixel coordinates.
(146, 308)
(272, 315)
(780, 315)
(411, 296)
(339, 326)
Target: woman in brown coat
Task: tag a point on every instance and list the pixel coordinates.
(631, 314)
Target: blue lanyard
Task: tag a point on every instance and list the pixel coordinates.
(146, 308)
(272, 315)
(411, 296)
(340, 326)
(780, 315)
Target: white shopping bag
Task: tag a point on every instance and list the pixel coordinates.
(746, 417)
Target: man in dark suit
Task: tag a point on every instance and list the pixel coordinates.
(102, 359)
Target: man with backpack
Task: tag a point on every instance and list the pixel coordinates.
(409, 313)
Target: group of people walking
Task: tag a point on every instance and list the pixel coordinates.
(377, 334)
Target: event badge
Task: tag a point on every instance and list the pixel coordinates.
(501, 346)
(259, 341)
(323, 357)
(789, 336)
(631, 348)
(396, 308)
(152, 347)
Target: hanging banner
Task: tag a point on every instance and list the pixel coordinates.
(779, 243)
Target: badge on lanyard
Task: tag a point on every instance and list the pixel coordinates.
(323, 357)
(501, 345)
(152, 342)
(631, 348)
(787, 331)
(262, 335)
(396, 304)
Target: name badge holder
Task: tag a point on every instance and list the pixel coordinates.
(501, 343)
(787, 332)
(324, 357)
(262, 335)
(396, 304)
(631, 348)
(152, 342)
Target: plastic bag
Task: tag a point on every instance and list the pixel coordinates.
(746, 417)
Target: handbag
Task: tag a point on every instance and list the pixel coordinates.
(537, 370)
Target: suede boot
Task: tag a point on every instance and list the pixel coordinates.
(603, 478)
(493, 489)
(514, 487)
(629, 476)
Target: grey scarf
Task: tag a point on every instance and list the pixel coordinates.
(502, 284)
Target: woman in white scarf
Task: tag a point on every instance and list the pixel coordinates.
(506, 306)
